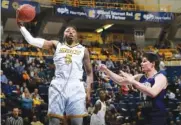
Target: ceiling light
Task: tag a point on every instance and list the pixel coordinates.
(107, 26)
(99, 30)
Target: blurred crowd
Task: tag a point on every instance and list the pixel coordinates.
(25, 81)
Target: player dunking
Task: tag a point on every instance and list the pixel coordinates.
(66, 91)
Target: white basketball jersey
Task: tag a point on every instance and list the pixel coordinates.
(69, 61)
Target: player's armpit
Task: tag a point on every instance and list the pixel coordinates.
(50, 44)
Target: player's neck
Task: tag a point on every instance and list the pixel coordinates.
(151, 73)
(71, 44)
(102, 100)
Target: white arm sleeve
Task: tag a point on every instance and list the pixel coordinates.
(38, 42)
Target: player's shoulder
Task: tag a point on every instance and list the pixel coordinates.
(160, 75)
(80, 46)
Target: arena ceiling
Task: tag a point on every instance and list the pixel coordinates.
(50, 25)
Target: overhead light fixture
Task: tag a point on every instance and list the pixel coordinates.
(103, 28)
(99, 30)
(107, 26)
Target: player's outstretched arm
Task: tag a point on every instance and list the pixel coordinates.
(116, 78)
(37, 42)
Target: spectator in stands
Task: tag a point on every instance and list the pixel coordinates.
(17, 91)
(109, 64)
(35, 121)
(178, 94)
(26, 90)
(178, 118)
(139, 115)
(162, 67)
(27, 104)
(178, 83)
(10, 89)
(171, 95)
(36, 94)
(15, 119)
(152, 84)
(2, 95)
(3, 78)
(102, 112)
(96, 119)
(98, 62)
(25, 76)
(17, 64)
(23, 87)
(20, 68)
(124, 89)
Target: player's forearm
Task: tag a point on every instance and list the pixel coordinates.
(38, 42)
(116, 78)
(144, 89)
(89, 81)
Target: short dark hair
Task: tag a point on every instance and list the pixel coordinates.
(72, 26)
(100, 91)
(152, 57)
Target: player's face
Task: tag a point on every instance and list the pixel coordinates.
(70, 34)
(146, 65)
(102, 95)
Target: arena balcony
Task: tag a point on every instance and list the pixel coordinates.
(111, 4)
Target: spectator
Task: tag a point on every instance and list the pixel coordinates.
(162, 68)
(109, 64)
(102, 112)
(171, 95)
(27, 105)
(35, 121)
(23, 87)
(178, 94)
(20, 68)
(25, 91)
(36, 94)
(3, 78)
(96, 119)
(15, 119)
(2, 95)
(26, 77)
(10, 89)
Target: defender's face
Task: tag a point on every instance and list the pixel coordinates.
(146, 65)
(70, 34)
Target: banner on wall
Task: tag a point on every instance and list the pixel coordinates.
(112, 14)
(10, 5)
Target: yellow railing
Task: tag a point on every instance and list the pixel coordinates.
(93, 3)
(119, 51)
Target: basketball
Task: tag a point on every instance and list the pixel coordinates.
(26, 13)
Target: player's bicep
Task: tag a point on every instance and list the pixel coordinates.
(160, 84)
(50, 44)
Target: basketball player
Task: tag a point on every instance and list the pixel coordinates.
(102, 101)
(153, 83)
(66, 92)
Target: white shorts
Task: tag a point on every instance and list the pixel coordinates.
(67, 97)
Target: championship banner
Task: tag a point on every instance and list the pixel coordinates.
(11, 5)
(112, 14)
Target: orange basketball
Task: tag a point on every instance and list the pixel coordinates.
(26, 13)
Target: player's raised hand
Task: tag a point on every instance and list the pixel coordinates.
(19, 23)
(102, 67)
(127, 77)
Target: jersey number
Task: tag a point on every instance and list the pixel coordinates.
(68, 58)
